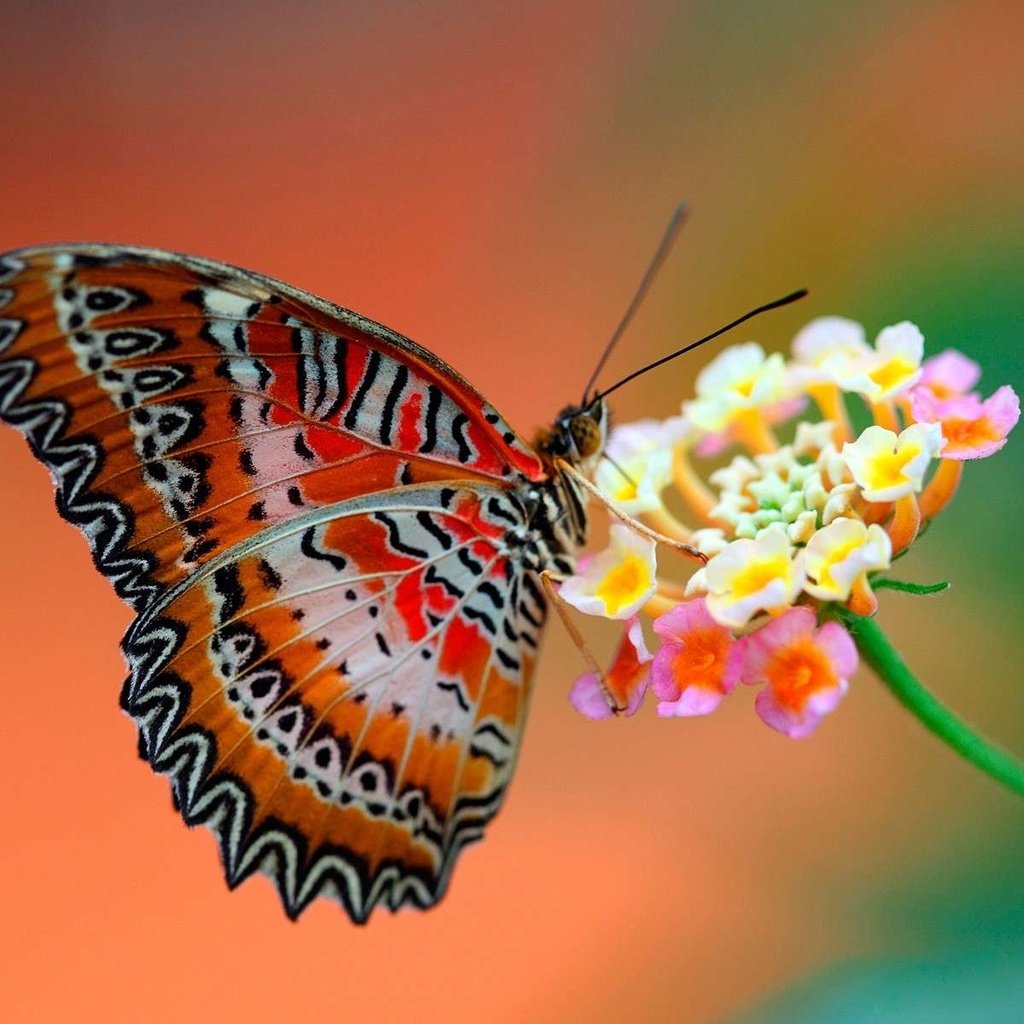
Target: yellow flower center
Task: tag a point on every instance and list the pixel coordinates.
(891, 374)
(795, 673)
(837, 555)
(622, 585)
(627, 492)
(756, 576)
(887, 467)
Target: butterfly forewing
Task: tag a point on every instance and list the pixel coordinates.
(209, 401)
(313, 517)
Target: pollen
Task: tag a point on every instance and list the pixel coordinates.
(745, 387)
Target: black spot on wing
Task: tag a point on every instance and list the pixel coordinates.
(470, 562)
(476, 751)
(490, 729)
(270, 577)
(302, 449)
(483, 618)
(341, 368)
(432, 575)
(227, 583)
(496, 509)
(512, 664)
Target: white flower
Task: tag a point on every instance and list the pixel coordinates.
(617, 582)
(840, 554)
(895, 365)
(827, 350)
(887, 466)
(751, 576)
(638, 466)
(740, 378)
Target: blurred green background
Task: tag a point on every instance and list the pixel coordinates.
(489, 179)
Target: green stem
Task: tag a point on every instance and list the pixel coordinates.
(893, 671)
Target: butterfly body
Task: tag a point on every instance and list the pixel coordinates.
(332, 542)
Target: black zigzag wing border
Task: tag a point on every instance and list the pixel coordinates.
(107, 523)
(157, 700)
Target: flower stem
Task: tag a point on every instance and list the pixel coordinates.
(876, 650)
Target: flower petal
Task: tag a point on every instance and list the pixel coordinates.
(751, 576)
(971, 428)
(693, 701)
(805, 671)
(839, 554)
(888, 466)
(617, 582)
(630, 670)
(949, 374)
(587, 697)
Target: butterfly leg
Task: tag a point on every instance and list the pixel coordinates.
(634, 524)
(548, 580)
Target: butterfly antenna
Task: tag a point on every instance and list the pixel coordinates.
(784, 301)
(675, 223)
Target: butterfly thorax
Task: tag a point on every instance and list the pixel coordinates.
(557, 511)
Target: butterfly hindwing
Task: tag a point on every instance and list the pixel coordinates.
(312, 517)
(342, 696)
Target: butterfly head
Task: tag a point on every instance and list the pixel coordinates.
(578, 435)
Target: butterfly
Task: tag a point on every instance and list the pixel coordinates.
(333, 545)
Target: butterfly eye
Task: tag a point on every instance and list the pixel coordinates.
(586, 435)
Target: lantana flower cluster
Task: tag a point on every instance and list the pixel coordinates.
(790, 531)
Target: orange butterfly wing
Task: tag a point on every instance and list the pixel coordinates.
(320, 525)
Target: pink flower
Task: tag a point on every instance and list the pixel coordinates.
(626, 680)
(806, 670)
(698, 662)
(973, 428)
(949, 374)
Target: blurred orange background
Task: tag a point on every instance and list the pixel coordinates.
(490, 179)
